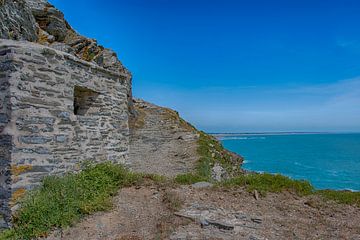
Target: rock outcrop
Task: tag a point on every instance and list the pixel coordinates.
(17, 21)
(39, 21)
(160, 141)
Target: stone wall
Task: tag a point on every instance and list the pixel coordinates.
(41, 131)
(5, 138)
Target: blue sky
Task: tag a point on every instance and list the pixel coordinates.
(236, 66)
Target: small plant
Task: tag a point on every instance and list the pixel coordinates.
(172, 200)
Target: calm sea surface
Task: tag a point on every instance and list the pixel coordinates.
(328, 161)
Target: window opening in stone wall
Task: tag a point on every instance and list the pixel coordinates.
(84, 99)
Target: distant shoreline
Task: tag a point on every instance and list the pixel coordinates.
(275, 133)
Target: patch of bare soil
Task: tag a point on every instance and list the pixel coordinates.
(136, 215)
(187, 213)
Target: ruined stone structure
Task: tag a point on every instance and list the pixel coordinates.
(56, 111)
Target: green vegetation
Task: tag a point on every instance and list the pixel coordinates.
(190, 178)
(344, 197)
(60, 201)
(266, 182)
(211, 152)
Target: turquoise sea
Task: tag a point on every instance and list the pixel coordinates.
(328, 161)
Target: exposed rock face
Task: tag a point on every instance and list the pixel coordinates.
(49, 19)
(17, 21)
(38, 20)
(160, 141)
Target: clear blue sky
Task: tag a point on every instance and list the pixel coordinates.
(236, 66)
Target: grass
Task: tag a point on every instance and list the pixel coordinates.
(343, 197)
(190, 178)
(61, 201)
(173, 200)
(266, 182)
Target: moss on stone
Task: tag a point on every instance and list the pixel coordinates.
(16, 170)
(17, 195)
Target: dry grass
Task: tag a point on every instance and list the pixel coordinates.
(172, 200)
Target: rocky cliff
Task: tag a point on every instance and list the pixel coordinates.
(39, 21)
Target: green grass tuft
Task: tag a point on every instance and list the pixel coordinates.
(189, 178)
(269, 183)
(61, 201)
(344, 197)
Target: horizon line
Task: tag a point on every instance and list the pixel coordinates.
(282, 132)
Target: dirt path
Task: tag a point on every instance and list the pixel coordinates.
(146, 213)
(135, 216)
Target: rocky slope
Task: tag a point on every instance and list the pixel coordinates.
(160, 141)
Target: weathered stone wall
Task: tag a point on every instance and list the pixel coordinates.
(5, 139)
(45, 135)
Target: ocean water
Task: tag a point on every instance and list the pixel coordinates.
(328, 161)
